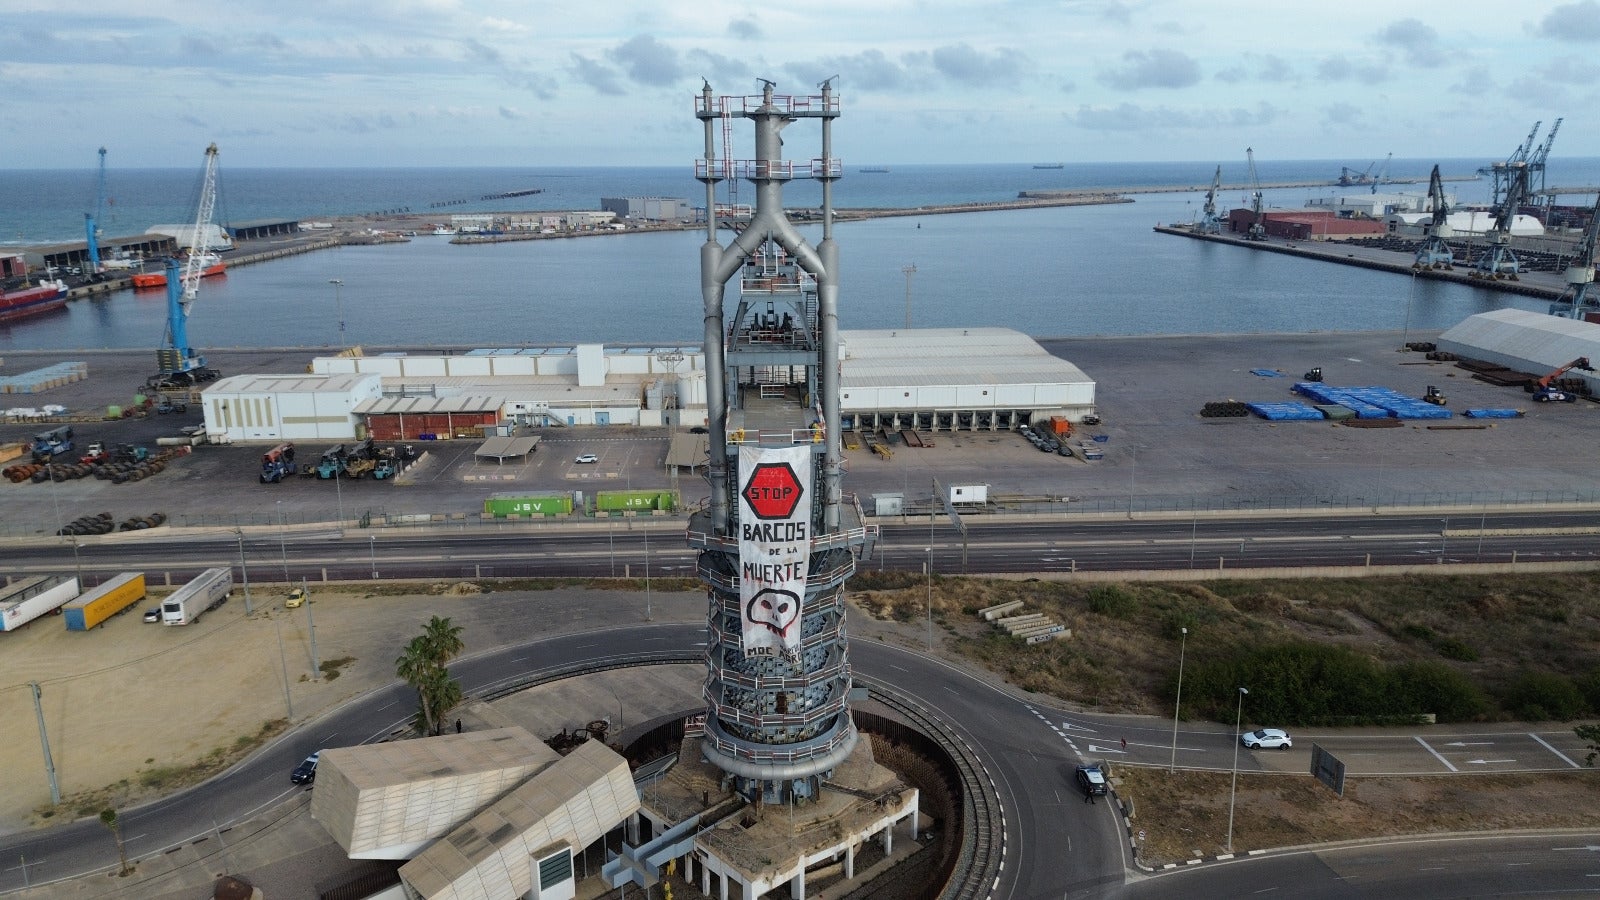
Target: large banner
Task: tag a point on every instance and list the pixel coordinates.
(774, 547)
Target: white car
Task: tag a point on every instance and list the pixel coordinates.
(587, 458)
(1266, 739)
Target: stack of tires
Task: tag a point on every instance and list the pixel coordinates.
(139, 523)
(1224, 409)
(99, 523)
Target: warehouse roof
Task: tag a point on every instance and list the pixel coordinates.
(422, 406)
(504, 448)
(944, 356)
(289, 384)
(1541, 341)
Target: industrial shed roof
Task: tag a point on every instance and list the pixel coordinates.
(422, 406)
(943, 356)
(504, 448)
(1537, 341)
(288, 384)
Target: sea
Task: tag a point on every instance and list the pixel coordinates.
(1054, 272)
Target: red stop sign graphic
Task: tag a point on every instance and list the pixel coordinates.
(773, 491)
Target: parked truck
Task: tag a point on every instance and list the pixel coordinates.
(26, 600)
(47, 445)
(96, 605)
(201, 595)
(276, 463)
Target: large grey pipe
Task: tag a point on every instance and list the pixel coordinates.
(711, 295)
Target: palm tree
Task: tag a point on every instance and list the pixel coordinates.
(108, 818)
(422, 666)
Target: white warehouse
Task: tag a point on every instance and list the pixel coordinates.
(287, 407)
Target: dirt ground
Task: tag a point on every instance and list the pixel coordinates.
(1184, 816)
(135, 710)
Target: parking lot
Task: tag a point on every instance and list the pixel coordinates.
(1157, 450)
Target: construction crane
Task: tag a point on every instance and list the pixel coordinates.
(1349, 177)
(177, 365)
(91, 221)
(1575, 296)
(1258, 230)
(1383, 173)
(1499, 261)
(1209, 222)
(1435, 253)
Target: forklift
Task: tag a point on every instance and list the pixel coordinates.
(1433, 396)
(1315, 374)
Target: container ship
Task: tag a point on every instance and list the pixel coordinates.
(214, 266)
(29, 300)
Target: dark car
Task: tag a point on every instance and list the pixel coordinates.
(306, 772)
(1092, 781)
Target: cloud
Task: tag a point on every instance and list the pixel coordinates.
(481, 52)
(1572, 22)
(596, 75)
(716, 68)
(1474, 82)
(198, 46)
(1155, 68)
(1418, 40)
(1268, 67)
(503, 26)
(1341, 114)
(961, 63)
(507, 112)
(1340, 68)
(1132, 117)
(647, 60)
(1117, 12)
(1573, 70)
(869, 70)
(744, 29)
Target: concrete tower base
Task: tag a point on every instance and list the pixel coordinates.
(746, 851)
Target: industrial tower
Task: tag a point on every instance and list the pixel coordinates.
(778, 538)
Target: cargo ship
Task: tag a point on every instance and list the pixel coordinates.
(213, 266)
(30, 300)
(1049, 165)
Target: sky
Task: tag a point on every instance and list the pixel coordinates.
(379, 83)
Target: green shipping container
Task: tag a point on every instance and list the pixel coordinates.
(623, 501)
(502, 505)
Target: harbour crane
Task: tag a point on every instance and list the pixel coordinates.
(1209, 222)
(177, 365)
(1501, 172)
(91, 221)
(1383, 173)
(1349, 177)
(1574, 298)
(1536, 164)
(1499, 261)
(1435, 253)
(1258, 230)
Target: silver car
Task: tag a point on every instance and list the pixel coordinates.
(1266, 739)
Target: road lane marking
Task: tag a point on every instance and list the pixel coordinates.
(1562, 756)
(1436, 755)
(1166, 747)
(1094, 749)
(1471, 743)
(896, 668)
(1484, 762)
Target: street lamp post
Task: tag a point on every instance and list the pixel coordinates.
(1177, 705)
(311, 625)
(1405, 334)
(283, 546)
(647, 616)
(927, 570)
(373, 554)
(338, 492)
(1233, 790)
(244, 571)
(338, 307)
(44, 743)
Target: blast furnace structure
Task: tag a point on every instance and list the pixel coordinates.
(778, 537)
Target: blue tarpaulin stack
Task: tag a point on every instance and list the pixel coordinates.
(1371, 402)
(1493, 413)
(1285, 412)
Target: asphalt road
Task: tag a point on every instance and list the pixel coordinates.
(618, 548)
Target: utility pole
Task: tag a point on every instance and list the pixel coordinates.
(245, 571)
(44, 743)
(311, 623)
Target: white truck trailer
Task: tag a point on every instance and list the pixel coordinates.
(26, 600)
(206, 592)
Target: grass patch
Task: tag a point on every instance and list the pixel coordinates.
(331, 667)
(164, 779)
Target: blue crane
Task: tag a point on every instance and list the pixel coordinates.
(177, 365)
(1434, 252)
(91, 222)
(1574, 300)
(1499, 261)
